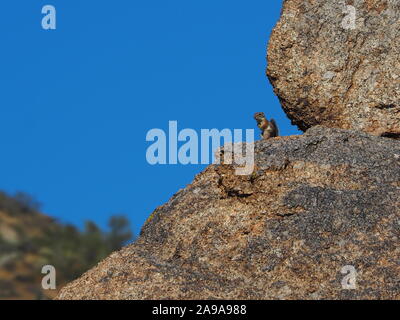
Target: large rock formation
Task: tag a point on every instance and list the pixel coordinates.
(332, 70)
(316, 203)
(316, 207)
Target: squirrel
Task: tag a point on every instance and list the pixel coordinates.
(269, 129)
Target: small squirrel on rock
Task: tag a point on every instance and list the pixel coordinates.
(269, 129)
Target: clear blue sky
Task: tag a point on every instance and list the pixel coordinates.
(76, 103)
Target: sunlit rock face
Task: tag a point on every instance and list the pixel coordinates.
(317, 205)
(336, 63)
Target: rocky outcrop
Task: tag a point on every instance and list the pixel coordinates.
(330, 69)
(315, 203)
(319, 218)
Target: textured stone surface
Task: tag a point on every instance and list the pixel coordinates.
(316, 203)
(326, 74)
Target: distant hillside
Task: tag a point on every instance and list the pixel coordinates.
(29, 240)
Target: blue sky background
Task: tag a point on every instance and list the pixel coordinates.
(76, 103)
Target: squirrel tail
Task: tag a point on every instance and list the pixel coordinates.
(275, 126)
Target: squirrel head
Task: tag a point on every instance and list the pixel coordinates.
(259, 116)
